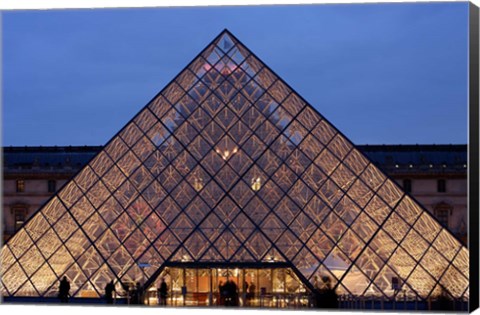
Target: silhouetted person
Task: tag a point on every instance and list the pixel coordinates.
(234, 294)
(138, 294)
(109, 289)
(64, 290)
(244, 292)
(231, 293)
(443, 302)
(226, 293)
(251, 291)
(326, 297)
(222, 289)
(163, 292)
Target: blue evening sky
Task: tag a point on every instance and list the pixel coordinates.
(381, 73)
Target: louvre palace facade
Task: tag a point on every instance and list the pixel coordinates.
(435, 175)
(230, 175)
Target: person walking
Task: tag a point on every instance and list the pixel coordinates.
(163, 292)
(64, 290)
(109, 289)
(222, 293)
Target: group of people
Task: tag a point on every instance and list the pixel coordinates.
(228, 293)
(324, 297)
(64, 291)
(134, 292)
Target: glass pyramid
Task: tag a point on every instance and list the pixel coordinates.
(227, 163)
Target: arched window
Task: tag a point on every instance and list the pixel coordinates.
(19, 212)
(442, 212)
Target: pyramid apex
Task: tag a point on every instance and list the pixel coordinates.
(226, 30)
(226, 40)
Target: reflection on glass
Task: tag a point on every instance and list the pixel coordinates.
(226, 154)
(198, 184)
(256, 183)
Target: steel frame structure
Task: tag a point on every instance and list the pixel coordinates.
(228, 164)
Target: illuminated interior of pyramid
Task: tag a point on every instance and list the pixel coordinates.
(228, 166)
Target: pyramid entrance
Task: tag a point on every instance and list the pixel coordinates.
(270, 284)
(227, 169)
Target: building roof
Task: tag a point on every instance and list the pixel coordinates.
(392, 158)
(47, 158)
(418, 158)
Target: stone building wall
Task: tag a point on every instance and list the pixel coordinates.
(422, 165)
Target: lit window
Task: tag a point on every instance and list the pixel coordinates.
(52, 186)
(19, 216)
(407, 185)
(395, 283)
(20, 185)
(441, 186)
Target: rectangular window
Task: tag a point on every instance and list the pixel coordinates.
(441, 186)
(52, 186)
(407, 185)
(395, 283)
(20, 185)
(19, 216)
(442, 216)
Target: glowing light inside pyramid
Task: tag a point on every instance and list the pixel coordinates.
(228, 164)
(256, 183)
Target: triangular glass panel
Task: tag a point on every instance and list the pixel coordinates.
(182, 255)
(337, 262)
(29, 289)
(356, 281)
(242, 255)
(258, 245)
(212, 227)
(322, 278)
(242, 227)
(306, 262)
(273, 255)
(288, 244)
(38, 279)
(196, 244)
(212, 255)
(227, 244)
(225, 42)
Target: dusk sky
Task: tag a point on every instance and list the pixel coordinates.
(381, 73)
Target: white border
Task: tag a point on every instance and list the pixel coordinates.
(63, 4)
(81, 310)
